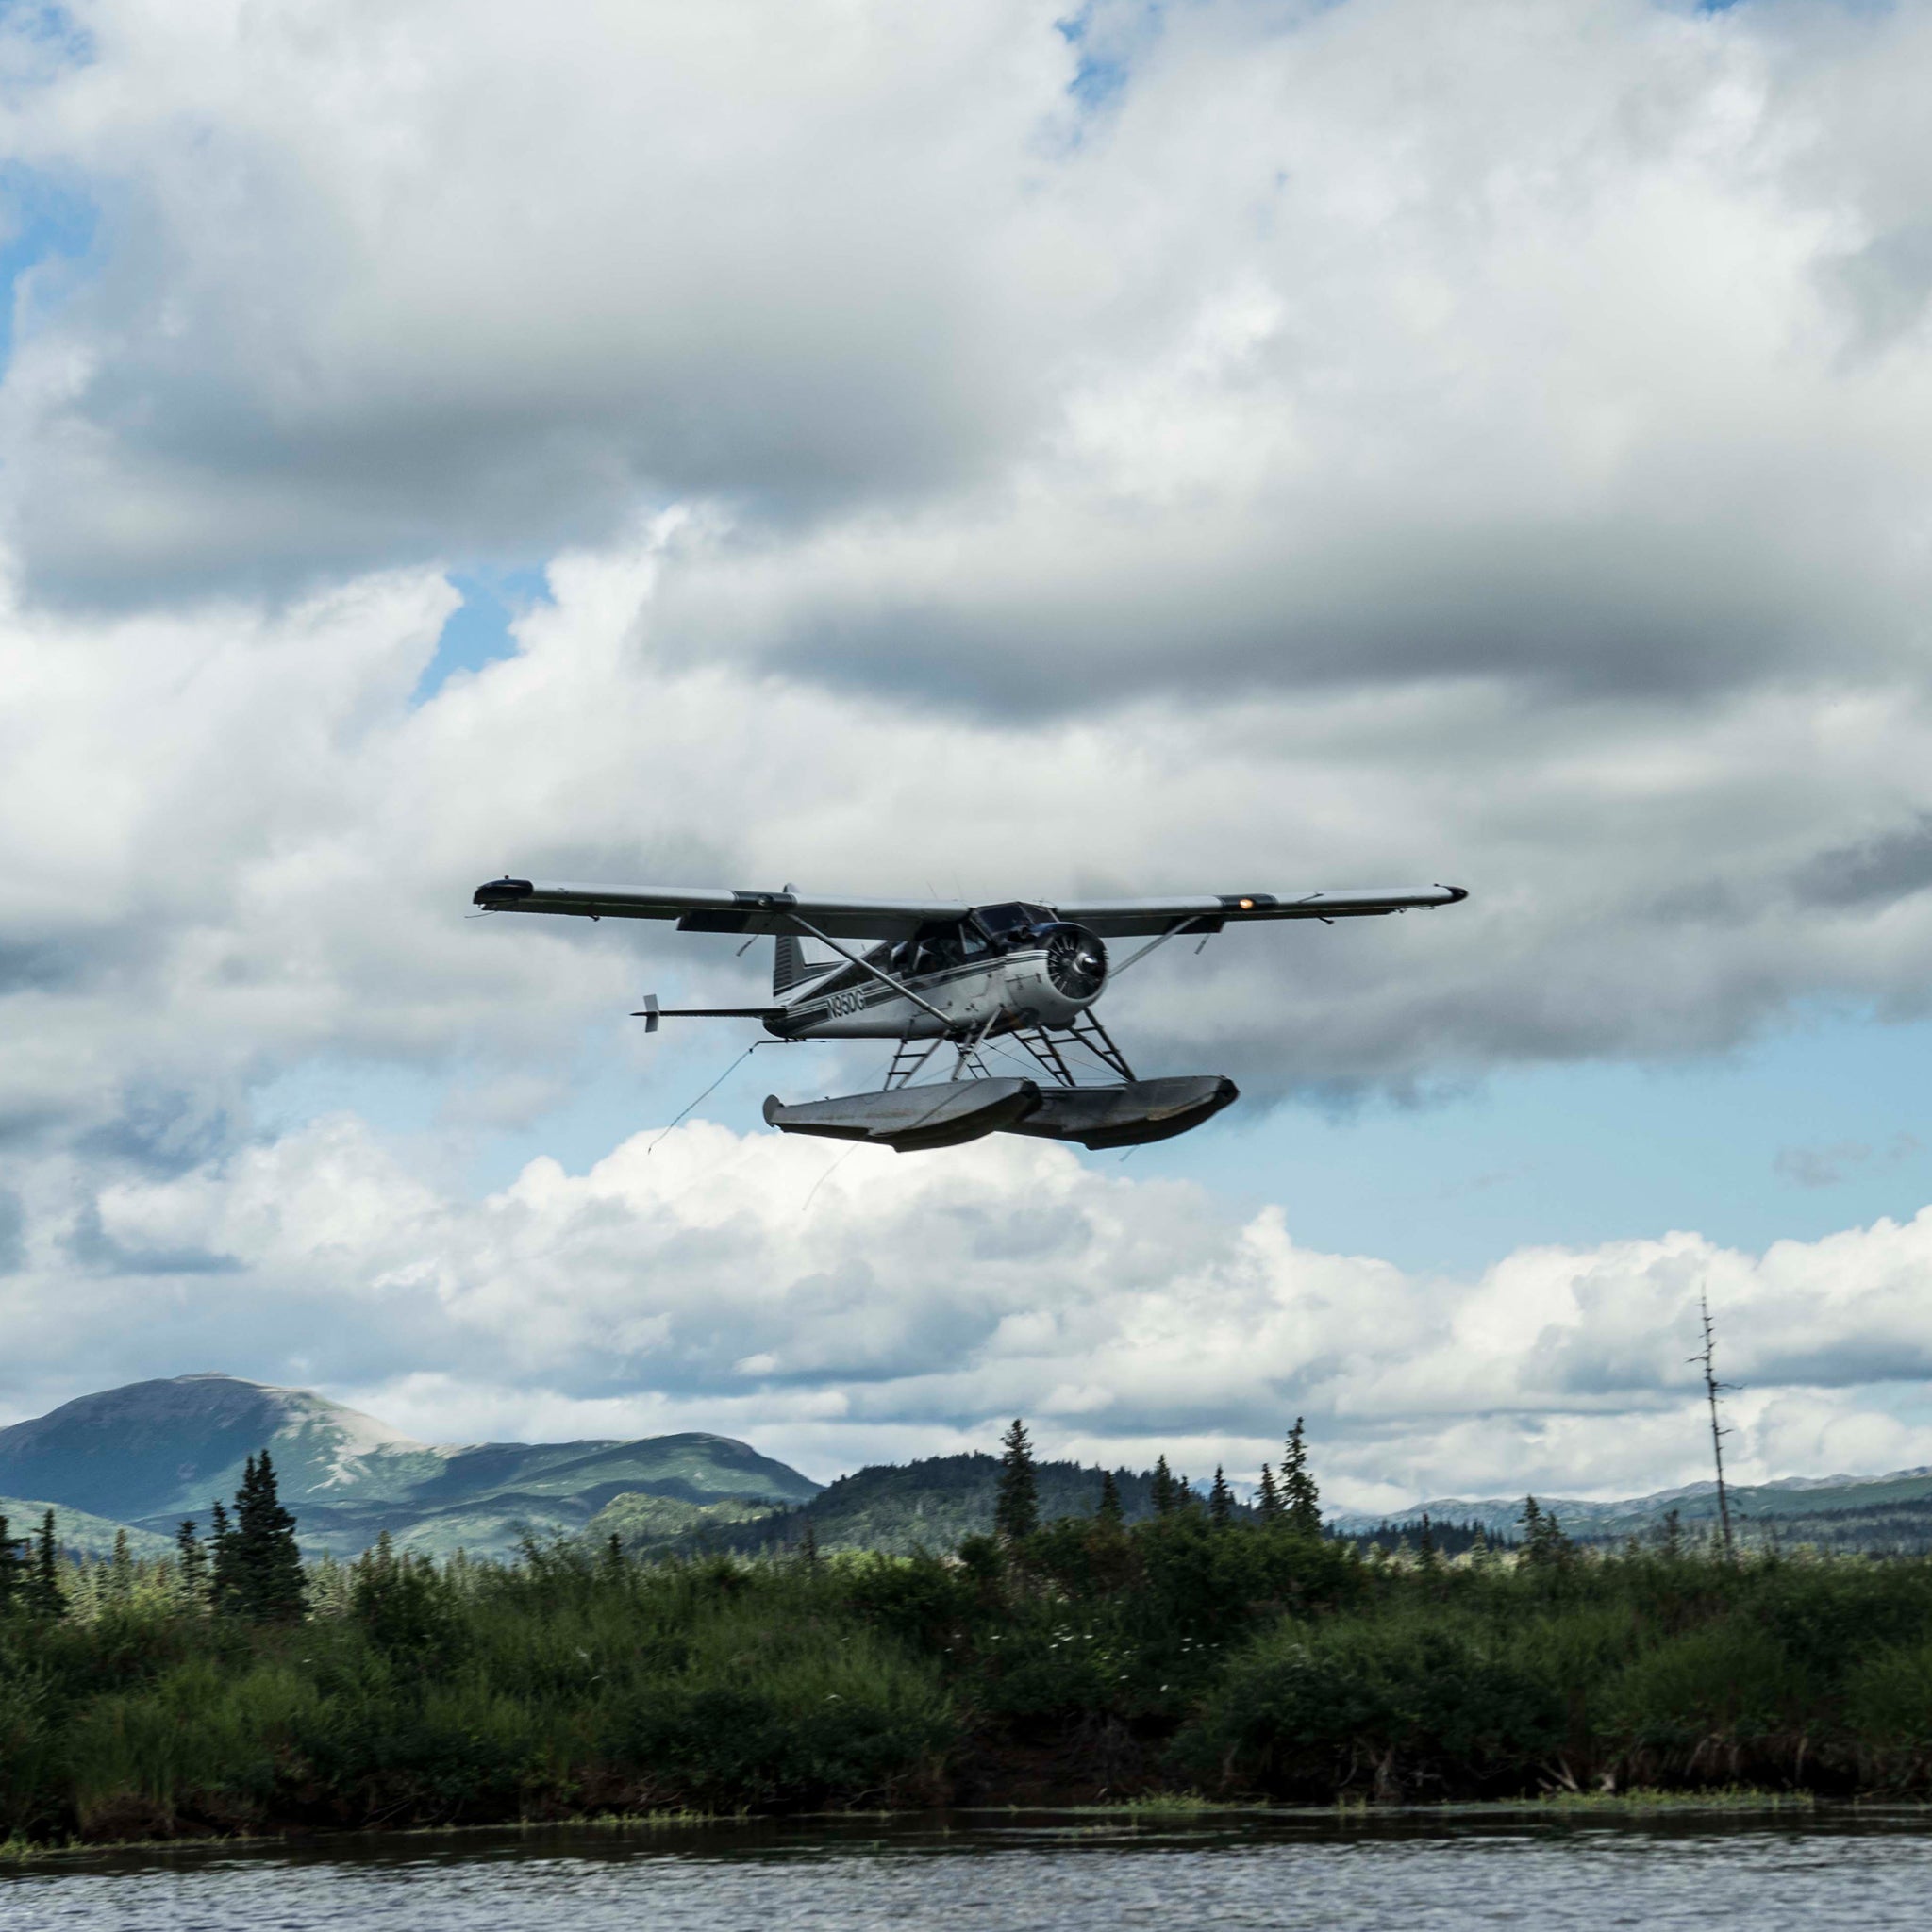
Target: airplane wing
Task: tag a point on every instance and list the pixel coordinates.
(1210, 911)
(711, 909)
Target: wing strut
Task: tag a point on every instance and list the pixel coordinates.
(1179, 925)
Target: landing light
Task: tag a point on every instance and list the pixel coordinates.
(1247, 905)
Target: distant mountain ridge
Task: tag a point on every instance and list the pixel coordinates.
(1782, 1506)
(151, 1452)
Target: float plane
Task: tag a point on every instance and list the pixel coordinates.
(1009, 980)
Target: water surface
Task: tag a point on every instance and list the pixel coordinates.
(999, 1872)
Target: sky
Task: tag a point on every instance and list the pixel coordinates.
(1003, 451)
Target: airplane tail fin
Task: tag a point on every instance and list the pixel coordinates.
(788, 964)
(787, 960)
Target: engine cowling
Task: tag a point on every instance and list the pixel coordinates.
(1064, 972)
(1075, 961)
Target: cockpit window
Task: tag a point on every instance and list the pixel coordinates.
(1015, 916)
(956, 943)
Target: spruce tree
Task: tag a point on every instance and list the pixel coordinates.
(13, 1569)
(121, 1572)
(809, 1545)
(1162, 1488)
(1016, 1514)
(1109, 1510)
(191, 1563)
(224, 1580)
(1219, 1501)
(1300, 1498)
(45, 1597)
(265, 1582)
(1543, 1535)
(1268, 1503)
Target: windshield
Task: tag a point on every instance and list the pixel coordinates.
(1015, 917)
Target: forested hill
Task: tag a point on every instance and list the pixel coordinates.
(930, 1504)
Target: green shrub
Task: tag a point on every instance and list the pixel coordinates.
(777, 1713)
(1888, 1696)
(29, 1753)
(1412, 1703)
(197, 1742)
(929, 1605)
(1692, 1702)
(409, 1607)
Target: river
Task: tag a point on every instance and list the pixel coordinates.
(987, 1873)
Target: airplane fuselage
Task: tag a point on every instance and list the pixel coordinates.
(977, 974)
(967, 997)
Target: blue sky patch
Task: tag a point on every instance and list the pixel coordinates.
(41, 223)
(478, 629)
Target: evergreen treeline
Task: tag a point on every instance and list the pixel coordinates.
(1425, 1537)
(1056, 1658)
(932, 1504)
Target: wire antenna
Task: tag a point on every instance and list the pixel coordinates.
(711, 1089)
(1707, 1359)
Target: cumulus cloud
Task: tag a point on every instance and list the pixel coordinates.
(841, 1305)
(237, 848)
(381, 279)
(1460, 454)
(997, 450)
(1329, 344)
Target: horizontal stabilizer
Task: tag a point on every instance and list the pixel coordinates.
(708, 1013)
(905, 1118)
(651, 1012)
(1127, 1115)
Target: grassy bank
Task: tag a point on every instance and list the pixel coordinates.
(1086, 1662)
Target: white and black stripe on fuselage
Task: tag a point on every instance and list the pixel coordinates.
(999, 990)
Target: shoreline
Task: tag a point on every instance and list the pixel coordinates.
(1738, 1805)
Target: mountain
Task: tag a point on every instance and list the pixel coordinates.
(1884, 1512)
(151, 1452)
(165, 1449)
(485, 1498)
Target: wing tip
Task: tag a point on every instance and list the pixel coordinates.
(503, 892)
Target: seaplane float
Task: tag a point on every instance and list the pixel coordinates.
(955, 987)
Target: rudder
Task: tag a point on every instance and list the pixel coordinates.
(787, 960)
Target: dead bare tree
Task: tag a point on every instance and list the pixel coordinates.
(1707, 1359)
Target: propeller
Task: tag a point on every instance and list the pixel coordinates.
(1075, 961)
